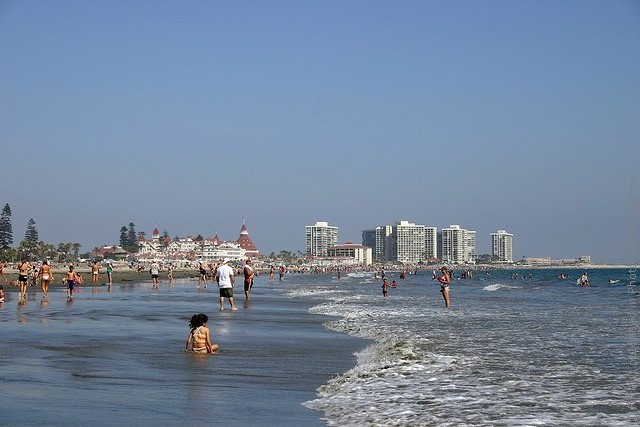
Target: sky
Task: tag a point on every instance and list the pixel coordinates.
(190, 116)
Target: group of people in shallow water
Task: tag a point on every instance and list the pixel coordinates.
(582, 281)
(43, 273)
(199, 338)
(444, 280)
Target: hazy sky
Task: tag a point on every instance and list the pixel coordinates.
(188, 116)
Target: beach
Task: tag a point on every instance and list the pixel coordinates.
(115, 356)
(525, 349)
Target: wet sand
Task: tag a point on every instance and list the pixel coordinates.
(117, 357)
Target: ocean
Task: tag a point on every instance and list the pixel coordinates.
(317, 350)
(526, 351)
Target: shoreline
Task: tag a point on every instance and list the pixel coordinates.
(128, 274)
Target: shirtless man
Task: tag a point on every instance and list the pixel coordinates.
(95, 272)
(46, 277)
(248, 278)
(72, 278)
(23, 278)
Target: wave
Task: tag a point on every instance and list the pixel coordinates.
(359, 275)
(498, 286)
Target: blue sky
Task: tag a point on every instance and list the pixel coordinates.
(189, 116)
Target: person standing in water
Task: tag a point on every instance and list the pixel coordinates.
(155, 273)
(248, 278)
(584, 280)
(71, 278)
(46, 277)
(23, 278)
(203, 274)
(109, 274)
(199, 338)
(170, 273)
(95, 272)
(385, 287)
(226, 279)
(445, 281)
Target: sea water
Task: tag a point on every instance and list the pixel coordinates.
(531, 350)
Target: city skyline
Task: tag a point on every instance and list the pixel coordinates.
(494, 115)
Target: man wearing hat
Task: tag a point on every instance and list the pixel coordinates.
(226, 279)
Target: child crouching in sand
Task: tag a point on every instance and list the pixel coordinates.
(199, 339)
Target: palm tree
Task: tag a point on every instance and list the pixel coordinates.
(76, 249)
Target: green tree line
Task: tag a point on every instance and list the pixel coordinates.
(31, 247)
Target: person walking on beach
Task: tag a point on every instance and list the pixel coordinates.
(155, 272)
(23, 278)
(72, 278)
(46, 277)
(203, 275)
(445, 281)
(226, 279)
(95, 272)
(199, 338)
(170, 273)
(248, 278)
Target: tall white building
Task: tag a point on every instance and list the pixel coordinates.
(502, 246)
(407, 242)
(403, 242)
(320, 237)
(458, 245)
(430, 243)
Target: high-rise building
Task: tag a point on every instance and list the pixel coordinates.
(376, 239)
(407, 242)
(458, 245)
(320, 237)
(369, 240)
(430, 243)
(404, 242)
(502, 246)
